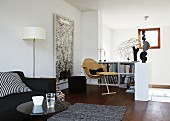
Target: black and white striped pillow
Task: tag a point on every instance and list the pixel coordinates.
(11, 83)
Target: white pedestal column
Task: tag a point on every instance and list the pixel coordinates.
(142, 79)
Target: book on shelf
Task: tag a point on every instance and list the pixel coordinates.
(121, 67)
(130, 91)
(127, 68)
(126, 80)
(122, 85)
(115, 67)
(132, 69)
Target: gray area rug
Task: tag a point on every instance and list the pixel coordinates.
(90, 112)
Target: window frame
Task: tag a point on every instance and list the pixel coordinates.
(149, 29)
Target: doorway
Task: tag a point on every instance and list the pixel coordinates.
(159, 94)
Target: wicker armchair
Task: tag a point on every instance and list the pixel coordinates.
(88, 64)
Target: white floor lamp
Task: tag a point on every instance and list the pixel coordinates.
(34, 33)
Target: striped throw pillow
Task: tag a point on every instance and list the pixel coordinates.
(11, 83)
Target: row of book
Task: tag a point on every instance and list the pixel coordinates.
(109, 80)
(127, 68)
(111, 67)
(123, 68)
(124, 79)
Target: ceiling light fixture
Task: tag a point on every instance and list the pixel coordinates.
(146, 17)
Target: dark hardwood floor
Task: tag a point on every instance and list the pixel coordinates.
(136, 110)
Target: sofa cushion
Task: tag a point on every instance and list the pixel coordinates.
(20, 73)
(11, 83)
(93, 72)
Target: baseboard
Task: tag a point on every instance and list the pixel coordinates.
(159, 86)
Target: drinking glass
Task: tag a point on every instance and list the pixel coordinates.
(50, 97)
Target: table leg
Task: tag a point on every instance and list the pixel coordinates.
(37, 118)
(44, 118)
(108, 92)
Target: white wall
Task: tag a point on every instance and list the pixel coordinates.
(90, 34)
(159, 58)
(16, 54)
(107, 44)
(118, 36)
(100, 34)
(91, 37)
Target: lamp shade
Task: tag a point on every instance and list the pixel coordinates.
(36, 33)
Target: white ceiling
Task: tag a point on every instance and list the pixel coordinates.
(118, 14)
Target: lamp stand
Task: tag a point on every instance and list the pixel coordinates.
(33, 57)
(34, 33)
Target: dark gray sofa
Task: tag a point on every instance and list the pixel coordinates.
(8, 104)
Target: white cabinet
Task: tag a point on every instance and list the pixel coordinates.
(142, 80)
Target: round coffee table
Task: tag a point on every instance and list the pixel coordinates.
(28, 108)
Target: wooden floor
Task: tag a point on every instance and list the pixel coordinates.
(136, 110)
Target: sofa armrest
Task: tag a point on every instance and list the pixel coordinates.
(41, 84)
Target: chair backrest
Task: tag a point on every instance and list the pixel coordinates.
(91, 64)
(88, 64)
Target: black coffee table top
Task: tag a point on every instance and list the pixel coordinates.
(29, 108)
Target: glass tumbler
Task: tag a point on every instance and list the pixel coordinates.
(50, 98)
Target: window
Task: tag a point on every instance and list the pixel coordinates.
(152, 35)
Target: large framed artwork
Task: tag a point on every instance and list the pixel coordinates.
(63, 47)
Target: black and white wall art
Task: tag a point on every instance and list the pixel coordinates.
(63, 47)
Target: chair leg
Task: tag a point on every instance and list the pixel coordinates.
(108, 92)
(99, 82)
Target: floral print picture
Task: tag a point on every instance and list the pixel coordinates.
(63, 47)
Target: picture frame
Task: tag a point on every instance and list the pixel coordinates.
(63, 47)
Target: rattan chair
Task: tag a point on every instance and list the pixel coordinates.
(88, 64)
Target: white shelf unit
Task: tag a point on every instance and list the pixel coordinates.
(123, 68)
